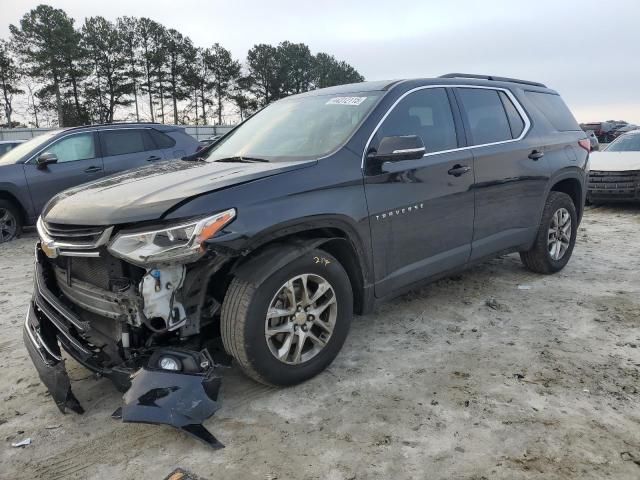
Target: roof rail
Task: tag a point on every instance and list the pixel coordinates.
(114, 123)
(492, 77)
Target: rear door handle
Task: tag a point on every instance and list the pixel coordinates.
(458, 170)
(153, 158)
(92, 170)
(536, 155)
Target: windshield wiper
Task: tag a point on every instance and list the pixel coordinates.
(240, 159)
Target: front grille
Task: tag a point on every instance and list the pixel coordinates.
(104, 271)
(97, 271)
(621, 184)
(73, 234)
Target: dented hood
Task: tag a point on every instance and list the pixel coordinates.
(147, 193)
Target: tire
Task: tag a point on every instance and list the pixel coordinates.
(10, 221)
(539, 258)
(244, 320)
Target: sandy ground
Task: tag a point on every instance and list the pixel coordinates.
(496, 374)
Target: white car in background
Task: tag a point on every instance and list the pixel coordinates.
(615, 172)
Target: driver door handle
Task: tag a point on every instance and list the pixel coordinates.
(458, 170)
(536, 155)
(93, 169)
(153, 158)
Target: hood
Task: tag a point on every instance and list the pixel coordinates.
(147, 193)
(614, 161)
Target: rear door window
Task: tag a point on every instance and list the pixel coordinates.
(121, 142)
(486, 115)
(425, 113)
(554, 110)
(162, 140)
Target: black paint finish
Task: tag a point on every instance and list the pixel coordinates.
(406, 220)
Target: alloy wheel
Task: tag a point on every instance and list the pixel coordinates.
(301, 318)
(559, 237)
(8, 225)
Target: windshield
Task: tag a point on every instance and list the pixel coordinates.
(297, 128)
(625, 143)
(19, 151)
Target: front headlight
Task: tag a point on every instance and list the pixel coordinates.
(173, 243)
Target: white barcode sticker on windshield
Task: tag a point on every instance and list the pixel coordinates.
(353, 101)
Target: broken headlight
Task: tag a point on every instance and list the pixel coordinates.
(172, 243)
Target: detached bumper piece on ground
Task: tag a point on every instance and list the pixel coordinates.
(183, 396)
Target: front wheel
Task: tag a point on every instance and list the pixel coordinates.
(556, 236)
(10, 221)
(292, 325)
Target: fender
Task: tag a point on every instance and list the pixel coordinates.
(275, 256)
(20, 197)
(566, 173)
(327, 227)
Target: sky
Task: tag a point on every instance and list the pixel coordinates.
(587, 50)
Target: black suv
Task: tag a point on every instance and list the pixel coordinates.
(319, 206)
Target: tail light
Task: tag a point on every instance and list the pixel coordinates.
(585, 143)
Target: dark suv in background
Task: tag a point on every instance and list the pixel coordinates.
(320, 205)
(33, 172)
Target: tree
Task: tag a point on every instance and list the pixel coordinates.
(200, 80)
(265, 71)
(329, 72)
(224, 71)
(9, 78)
(128, 30)
(149, 51)
(159, 39)
(76, 70)
(43, 40)
(178, 50)
(33, 102)
(296, 67)
(245, 103)
(107, 50)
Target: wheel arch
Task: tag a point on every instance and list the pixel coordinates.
(8, 196)
(270, 256)
(572, 186)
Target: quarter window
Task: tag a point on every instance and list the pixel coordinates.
(75, 147)
(425, 113)
(554, 110)
(516, 123)
(120, 142)
(486, 115)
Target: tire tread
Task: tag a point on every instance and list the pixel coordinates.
(233, 319)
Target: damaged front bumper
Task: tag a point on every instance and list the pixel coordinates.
(182, 399)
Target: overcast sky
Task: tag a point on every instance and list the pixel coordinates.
(587, 50)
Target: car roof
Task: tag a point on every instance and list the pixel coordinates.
(448, 79)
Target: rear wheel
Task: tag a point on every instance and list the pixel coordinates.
(10, 221)
(292, 325)
(556, 236)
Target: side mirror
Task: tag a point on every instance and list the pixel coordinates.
(45, 159)
(395, 149)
